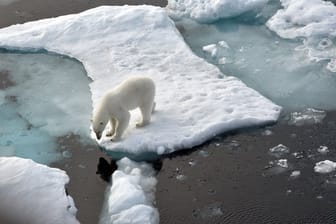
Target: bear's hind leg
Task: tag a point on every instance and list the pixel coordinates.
(146, 111)
(113, 124)
(123, 121)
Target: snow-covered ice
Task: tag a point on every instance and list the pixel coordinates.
(115, 42)
(131, 197)
(211, 10)
(34, 193)
(312, 20)
(325, 166)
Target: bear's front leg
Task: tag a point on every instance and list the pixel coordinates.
(123, 121)
(113, 124)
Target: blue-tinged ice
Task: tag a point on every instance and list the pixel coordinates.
(280, 69)
(43, 97)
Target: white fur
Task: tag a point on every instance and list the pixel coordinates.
(114, 106)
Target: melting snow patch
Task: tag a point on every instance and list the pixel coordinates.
(307, 116)
(325, 166)
(115, 42)
(130, 199)
(34, 193)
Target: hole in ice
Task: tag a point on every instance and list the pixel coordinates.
(40, 103)
(324, 43)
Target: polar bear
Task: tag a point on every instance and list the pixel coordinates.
(114, 106)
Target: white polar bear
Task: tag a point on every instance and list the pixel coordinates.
(115, 105)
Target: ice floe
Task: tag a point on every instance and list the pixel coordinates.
(131, 197)
(34, 193)
(313, 20)
(115, 42)
(211, 10)
(325, 166)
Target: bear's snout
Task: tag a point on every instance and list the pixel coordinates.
(98, 135)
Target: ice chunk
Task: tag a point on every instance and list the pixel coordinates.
(130, 198)
(211, 10)
(313, 20)
(34, 193)
(307, 116)
(279, 150)
(193, 104)
(282, 163)
(295, 174)
(211, 49)
(325, 166)
(323, 149)
(276, 167)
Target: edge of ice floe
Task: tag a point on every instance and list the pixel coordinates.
(40, 32)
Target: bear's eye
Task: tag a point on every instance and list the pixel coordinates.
(101, 123)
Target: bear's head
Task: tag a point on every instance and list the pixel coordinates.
(99, 121)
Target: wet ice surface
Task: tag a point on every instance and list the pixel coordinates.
(278, 68)
(39, 103)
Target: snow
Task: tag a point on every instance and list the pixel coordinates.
(211, 10)
(34, 193)
(195, 101)
(312, 20)
(130, 198)
(325, 166)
